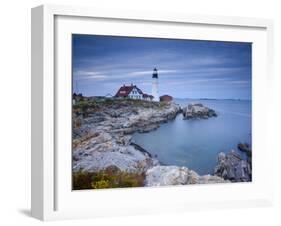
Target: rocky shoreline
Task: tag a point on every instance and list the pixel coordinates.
(102, 132)
(103, 137)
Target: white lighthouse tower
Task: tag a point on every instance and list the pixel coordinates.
(155, 92)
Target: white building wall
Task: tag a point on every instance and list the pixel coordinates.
(134, 94)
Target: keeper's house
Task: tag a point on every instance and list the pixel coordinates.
(132, 92)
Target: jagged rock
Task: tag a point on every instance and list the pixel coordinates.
(245, 148)
(123, 140)
(232, 167)
(95, 117)
(197, 110)
(175, 175)
(148, 128)
(101, 138)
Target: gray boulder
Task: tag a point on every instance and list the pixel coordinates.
(126, 158)
(232, 167)
(244, 147)
(175, 175)
(198, 110)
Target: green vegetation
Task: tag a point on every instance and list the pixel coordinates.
(112, 177)
(163, 104)
(85, 106)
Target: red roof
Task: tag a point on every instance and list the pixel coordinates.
(166, 98)
(125, 90)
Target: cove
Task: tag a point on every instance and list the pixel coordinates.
(196, 143)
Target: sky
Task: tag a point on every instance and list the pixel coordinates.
(186, 68)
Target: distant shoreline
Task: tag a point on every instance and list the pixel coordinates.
(211, 99)
(108, 95)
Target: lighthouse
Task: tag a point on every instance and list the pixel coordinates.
(155, 92)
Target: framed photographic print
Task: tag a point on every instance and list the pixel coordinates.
(137, 112)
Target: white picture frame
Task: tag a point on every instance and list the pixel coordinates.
(52, 197)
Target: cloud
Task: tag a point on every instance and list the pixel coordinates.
(117, 74)
(88, 75)
(193, 81)
(102, 64)
(240, 82)
(207, 61)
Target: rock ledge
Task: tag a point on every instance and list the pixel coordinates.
(198, 111)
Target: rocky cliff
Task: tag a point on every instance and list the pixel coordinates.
(103, 135)
(102, 130)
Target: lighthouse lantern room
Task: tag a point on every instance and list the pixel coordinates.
(155, 92)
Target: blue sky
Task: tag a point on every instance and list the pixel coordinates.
(187, 69)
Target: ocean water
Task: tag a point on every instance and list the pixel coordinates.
(195, 143)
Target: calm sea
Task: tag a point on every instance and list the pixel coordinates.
(196, 143)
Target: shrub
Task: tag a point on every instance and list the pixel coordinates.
(81, 180)
(109, 178)
(100, 184)
(85, 107)
(163, 104)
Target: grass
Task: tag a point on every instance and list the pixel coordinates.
(86, 107)
(112, 177)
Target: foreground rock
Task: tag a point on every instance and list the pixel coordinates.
(102, 135)
(232, 167)
(174, 175)
(197, 110)
(244, 147)
(99, 157)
